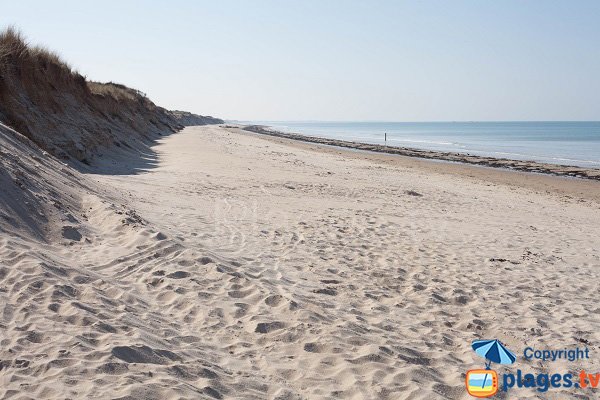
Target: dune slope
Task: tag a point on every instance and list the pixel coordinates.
(90, 305)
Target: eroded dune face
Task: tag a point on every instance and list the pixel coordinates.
(46, 100)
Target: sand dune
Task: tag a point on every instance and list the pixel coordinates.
(239, 266)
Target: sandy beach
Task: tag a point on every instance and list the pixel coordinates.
(225, 264)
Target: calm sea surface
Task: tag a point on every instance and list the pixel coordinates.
(569, 143)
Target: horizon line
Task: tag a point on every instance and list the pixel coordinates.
(407, 122)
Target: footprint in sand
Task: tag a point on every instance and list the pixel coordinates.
(71, 233)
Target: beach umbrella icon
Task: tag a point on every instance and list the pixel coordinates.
(493, 351)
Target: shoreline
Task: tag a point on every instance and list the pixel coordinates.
(503, 163)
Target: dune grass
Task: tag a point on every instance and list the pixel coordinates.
(38, 65)
(28, 62)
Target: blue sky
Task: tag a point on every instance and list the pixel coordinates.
(335, 60)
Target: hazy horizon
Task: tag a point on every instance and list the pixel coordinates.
(406, 122)
(336, 61)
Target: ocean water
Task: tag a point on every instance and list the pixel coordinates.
(567, 143)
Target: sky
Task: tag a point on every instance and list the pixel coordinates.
(329, 60)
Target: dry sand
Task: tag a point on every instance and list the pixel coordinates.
(224, 264)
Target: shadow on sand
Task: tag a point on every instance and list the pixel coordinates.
(132, 156)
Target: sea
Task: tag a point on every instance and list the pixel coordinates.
(566, 143)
